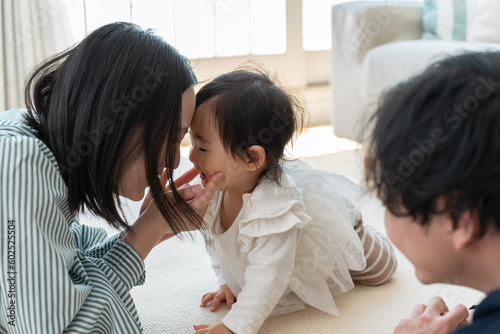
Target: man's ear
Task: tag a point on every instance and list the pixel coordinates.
(257, 158)
(467, 229)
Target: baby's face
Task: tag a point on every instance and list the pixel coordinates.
(208, 154)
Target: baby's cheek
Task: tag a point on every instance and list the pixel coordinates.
(233, 168)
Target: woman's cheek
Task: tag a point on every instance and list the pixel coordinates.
(177, 160)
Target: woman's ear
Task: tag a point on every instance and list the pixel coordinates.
(257, 158)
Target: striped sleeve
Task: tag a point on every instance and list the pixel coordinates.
(381, 262)
(55, 278)
(111, 252)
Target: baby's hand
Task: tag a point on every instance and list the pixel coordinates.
(217, 328)
(223, 294)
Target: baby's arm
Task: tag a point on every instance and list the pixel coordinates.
(381, 262)
(214, 259)
(268, 275)
(224, 293)
(266, 279)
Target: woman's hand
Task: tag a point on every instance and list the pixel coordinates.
(222, 294)
(151, 228)
(217, 328)
(434, 318)
(195, 196)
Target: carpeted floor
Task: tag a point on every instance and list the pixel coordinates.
(179, 273)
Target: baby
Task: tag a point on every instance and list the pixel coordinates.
(284, 235)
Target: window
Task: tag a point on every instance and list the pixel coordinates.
(316, 24)
(291, 35)
(197, 28)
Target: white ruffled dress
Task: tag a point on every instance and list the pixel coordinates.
(290, 245)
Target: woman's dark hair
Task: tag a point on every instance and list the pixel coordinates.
(101, 104)
(437, 135)
(250, 109)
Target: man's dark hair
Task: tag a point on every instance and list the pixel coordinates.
(101, 104)
(437, 135)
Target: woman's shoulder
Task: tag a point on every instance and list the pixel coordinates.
(13, 116)
(12, 124)
(18, 140)
(29, 174)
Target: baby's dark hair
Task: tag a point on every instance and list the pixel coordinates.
(437, 136)
(250, 109)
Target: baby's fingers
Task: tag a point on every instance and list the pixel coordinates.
(207, 297)
(206, 294)
(217, 299)
(230, 302)
(200, 329)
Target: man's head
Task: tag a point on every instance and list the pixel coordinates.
(435, 157)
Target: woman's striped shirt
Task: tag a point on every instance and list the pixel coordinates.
(56, 275)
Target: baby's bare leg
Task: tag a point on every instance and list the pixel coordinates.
(381, 260)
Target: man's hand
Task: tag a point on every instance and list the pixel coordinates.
(434, 318)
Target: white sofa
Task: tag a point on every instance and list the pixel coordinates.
(376, 44)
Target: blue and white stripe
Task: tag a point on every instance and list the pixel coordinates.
(67, 277)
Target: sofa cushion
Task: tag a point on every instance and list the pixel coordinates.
(448, 19)
(486, 25)
(387, 64)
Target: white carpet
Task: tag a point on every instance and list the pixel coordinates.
(179, 273)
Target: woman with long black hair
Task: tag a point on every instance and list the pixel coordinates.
(104, 119)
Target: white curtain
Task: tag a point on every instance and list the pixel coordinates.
(30, 31)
